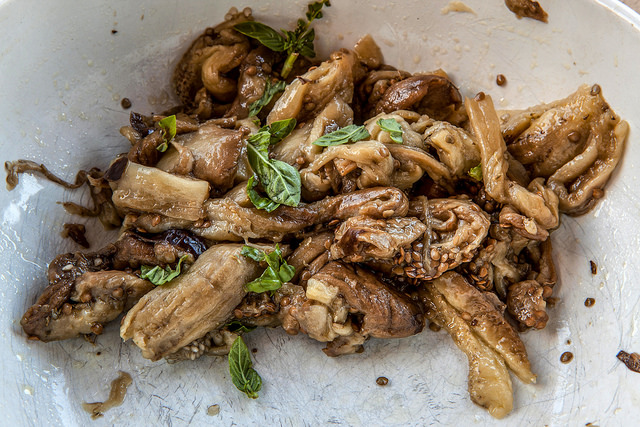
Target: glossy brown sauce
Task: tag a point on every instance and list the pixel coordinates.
(501, 80)
(594, 268)
(116, 396)
(589, 302)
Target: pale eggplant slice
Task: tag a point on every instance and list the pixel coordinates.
(151, 190)
(185, 309)
(487, 322)
(489, 381)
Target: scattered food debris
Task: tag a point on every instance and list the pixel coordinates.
(631, 360)
(213, 410)
(566, 357)
(456, 6)
(527, 9)
(382, 381)
(594, 268)
(589, 302)
(75, 232)
(116, 396)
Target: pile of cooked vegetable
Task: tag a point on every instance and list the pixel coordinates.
(344, 200)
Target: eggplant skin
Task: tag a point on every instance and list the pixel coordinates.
(185, 309)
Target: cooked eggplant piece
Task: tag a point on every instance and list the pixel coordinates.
(187, 308)
(369, 162)
(211, 154)
(215, 52)
(361, 238)
(489, 381)
(536, 201)
(151, 190)
(227, 220)
(431, 94)
(309, 93)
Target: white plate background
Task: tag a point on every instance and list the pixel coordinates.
(62, 75)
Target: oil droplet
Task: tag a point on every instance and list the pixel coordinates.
(213, 410)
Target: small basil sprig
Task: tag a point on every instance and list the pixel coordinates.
(269, 91)
(351, 133)
(168, 126)
(294, 43)
(280, 180)
(243, 376)
(476, 172)
(159, 276)
(277, 273)
(258, 201)
(393, 127)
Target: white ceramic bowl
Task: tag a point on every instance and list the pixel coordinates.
(62, 75)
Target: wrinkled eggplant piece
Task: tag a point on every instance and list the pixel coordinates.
(255, 70)
(310, 93)
(431, 94)
(136, 249)
(487, 322)
(298, 147)
(151, 190)
(221, 42)
(198, 301)
(343, 305)
(457, 228)
(526, 303)
(536, 201)
(360, 238)
(229, 221)
(489, 381)
(211, 154)
(370, 161)
(96, 299)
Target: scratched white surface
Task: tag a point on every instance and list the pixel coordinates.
(62, 76)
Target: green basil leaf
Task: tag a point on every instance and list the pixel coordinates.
(314, 10)
(351, 133)
(159, 276)
(269, 91)
(263, 284)
(260, 140)
(238, 327)
(280, 129)
(168, 126)
(282, 183)
(253, 253)
(280, 180)
(305, 44)
(476, 172)
(243, 376)
(286, 272)
(263, 33)
(275, 275)
(393, 127)
(257, 200)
